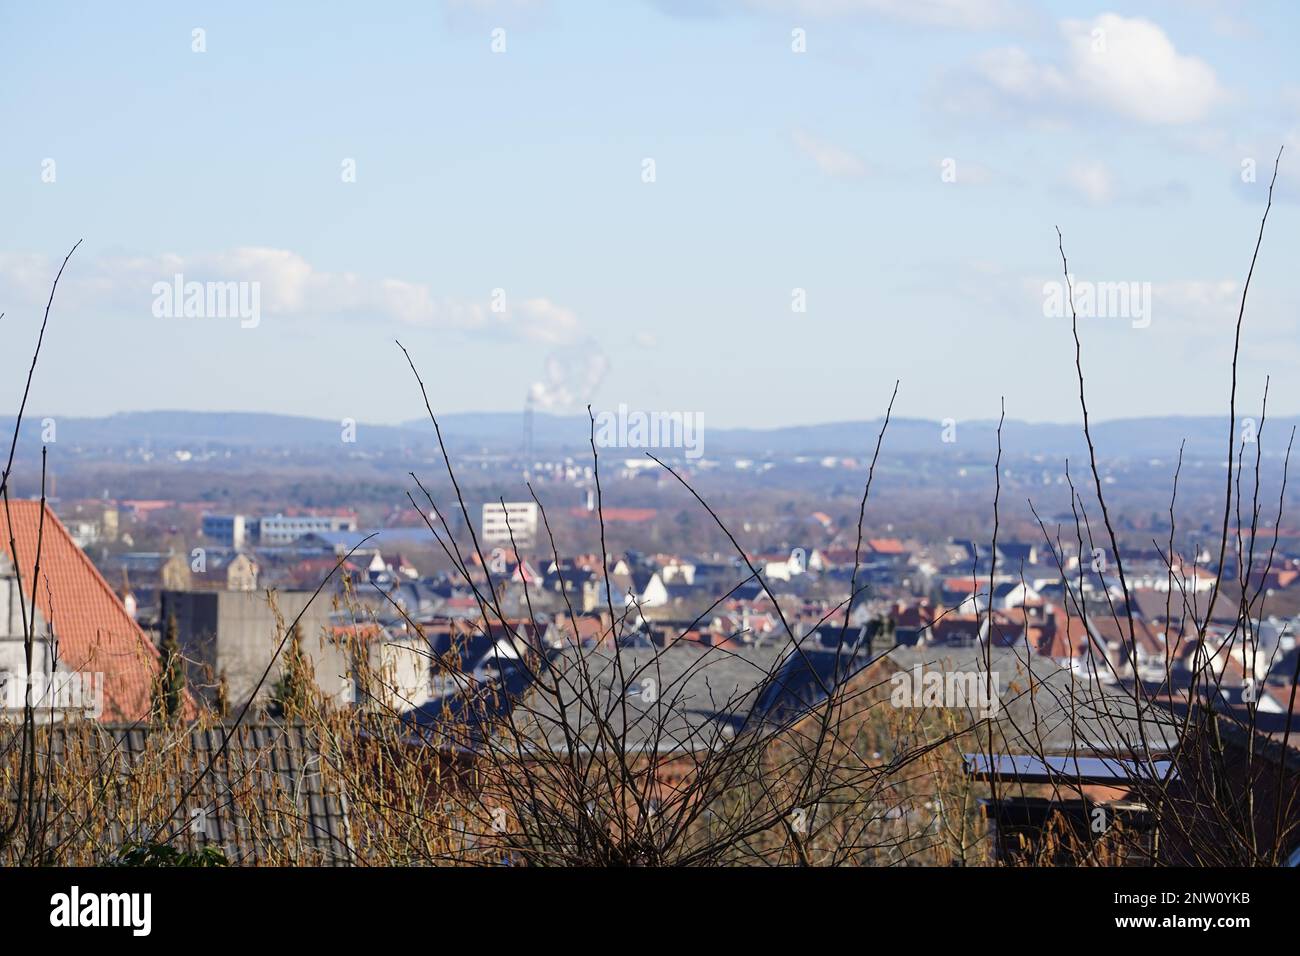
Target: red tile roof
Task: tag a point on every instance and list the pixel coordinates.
(634, 515)
(1114, 629)
(148, 504)
(586, 628)
(94, 632)
(1006, 630)
(913, 615)
(955, 626)
(1062, 635)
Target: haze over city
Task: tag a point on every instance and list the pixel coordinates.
(524, 435)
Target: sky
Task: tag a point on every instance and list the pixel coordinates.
(762, 212)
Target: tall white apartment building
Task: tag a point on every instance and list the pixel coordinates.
(515, 517)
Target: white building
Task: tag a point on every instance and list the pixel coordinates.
(286, 529)
(517, 518)
(229, 530)
(234, 531)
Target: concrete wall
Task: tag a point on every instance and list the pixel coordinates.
(235, 632)
(401, 676)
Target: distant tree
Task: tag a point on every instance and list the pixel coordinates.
(292, 691)
(171, 681)
(223, 695)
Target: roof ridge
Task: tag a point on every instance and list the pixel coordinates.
(88, 565)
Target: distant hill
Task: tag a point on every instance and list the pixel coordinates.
(502, 432)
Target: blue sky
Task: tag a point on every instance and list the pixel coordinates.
(1126, 124)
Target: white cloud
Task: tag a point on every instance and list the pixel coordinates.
(290, 286)
(1013, 72)
(547, 322)
(1131, 66)
(1092, 181)
(1127, 66)
(1206, 306)
(830, 159)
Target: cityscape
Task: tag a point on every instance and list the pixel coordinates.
(514, 435)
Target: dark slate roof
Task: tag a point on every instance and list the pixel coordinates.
(805, 679)
(641, 578)
(474, 700)
(702, 695)
(1017, 550)
(687, 697)
(279, 765)
(483, 680)
(1067, 714)
(412, 596)
(684, 592)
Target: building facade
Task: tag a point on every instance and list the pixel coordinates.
(517, 519)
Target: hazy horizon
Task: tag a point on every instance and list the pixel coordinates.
(414, 420)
